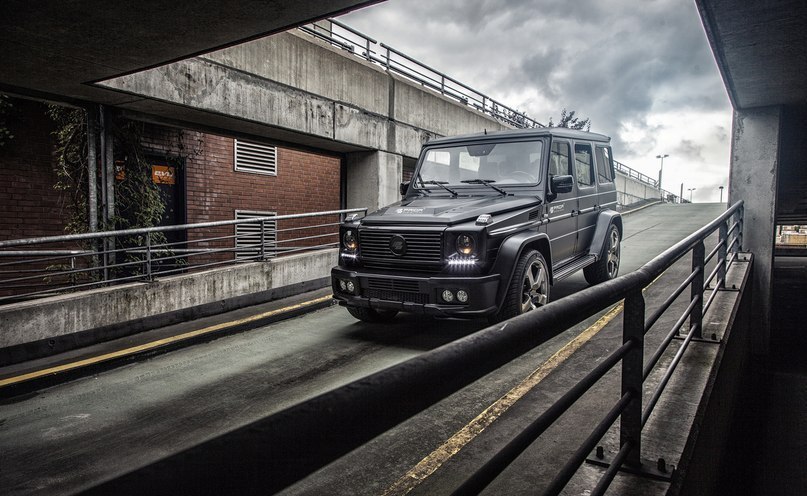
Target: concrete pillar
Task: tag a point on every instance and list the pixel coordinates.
(373, 179)
(755, 151)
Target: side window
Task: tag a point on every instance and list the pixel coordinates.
(559, 163)
(583, 164)
(605, 168)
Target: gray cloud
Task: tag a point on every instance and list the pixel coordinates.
(618, 62)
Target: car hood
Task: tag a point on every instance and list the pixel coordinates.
(446, 211)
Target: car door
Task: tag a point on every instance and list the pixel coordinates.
(606, 189)
(562, 211)
(587, 200)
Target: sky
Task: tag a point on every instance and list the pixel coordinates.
(641, 70)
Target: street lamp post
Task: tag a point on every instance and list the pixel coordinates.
(690, 193)
(660, 170)
(721, 193)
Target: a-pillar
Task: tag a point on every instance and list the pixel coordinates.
(755, 156)
(373, 179)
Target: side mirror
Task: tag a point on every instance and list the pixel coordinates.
(404, 187)
(562, 184)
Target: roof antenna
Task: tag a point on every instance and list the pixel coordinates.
(486, 130)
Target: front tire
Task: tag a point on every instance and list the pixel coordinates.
(371, 315)
(529, 288)
(607, 267)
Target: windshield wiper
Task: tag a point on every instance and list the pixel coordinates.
(486, 182)
(441, 184)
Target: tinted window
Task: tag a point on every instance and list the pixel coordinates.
(583, 164)
(559, 164)
(604, 166)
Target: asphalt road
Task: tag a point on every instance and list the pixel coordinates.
(70, 436)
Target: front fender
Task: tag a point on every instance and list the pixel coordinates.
(604, 221)
(509, 253)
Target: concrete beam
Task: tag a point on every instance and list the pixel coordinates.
(296, 88)
(755, 151)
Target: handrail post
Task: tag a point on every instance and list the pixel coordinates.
(263, 240)
(740, 216)
(442, 84)
(696, 289)
(148, 256)
(721, 254)
(630, 429)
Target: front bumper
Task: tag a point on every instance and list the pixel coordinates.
(416, 294)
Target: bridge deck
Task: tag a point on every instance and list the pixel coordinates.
(75, 434)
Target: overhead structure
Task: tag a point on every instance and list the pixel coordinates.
(55, 50)
(761, 51)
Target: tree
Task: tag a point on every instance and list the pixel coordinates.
(568, 120)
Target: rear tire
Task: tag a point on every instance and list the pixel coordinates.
(371, 315)
(607, 267)
(529, 288)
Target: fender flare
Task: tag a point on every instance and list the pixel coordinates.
(510, 252)
(604, 222)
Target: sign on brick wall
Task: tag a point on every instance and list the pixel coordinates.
(162, 174)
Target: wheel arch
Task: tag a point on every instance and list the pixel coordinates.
(511, 251)
(604, 222)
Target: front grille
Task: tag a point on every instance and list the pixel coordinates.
(402, 296)
(393, 284)
(424, 250)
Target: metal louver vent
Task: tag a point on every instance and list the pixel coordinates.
(255, 157)
(248, 236)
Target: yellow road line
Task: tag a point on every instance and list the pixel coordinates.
(155, 344)
(436, 458)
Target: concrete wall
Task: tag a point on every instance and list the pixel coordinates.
(294, 82)
(373, 179)
(60, 316)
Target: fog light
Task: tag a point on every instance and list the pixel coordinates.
(342, 285)
(462, 296)
(448, 296)
(350, 286)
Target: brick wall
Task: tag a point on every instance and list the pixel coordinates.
(29, 205)
(213, 190)
(305, 182)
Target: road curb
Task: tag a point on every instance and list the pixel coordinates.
(16, 385)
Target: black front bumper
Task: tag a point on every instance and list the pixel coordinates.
(416, 294)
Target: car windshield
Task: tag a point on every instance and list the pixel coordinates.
(512, 163)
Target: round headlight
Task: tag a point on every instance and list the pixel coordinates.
(465, 244)
(349, 240)
(448, 296)
(462, 296)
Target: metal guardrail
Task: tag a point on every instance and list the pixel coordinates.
(362, 46)
(270, 454)
(85, 261)
(634, 174)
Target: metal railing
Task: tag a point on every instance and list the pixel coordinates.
(634, 174)
(39, 267)
(272, 453)
(392, 60)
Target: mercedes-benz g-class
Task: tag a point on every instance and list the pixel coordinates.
(487, 224)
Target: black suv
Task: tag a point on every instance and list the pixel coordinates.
(487, 224)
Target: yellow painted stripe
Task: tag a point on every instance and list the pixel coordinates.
(439, 456)
(156, 344)
(436, 458)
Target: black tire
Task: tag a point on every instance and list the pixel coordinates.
(529, 287)
(371, 315)
(607, 267)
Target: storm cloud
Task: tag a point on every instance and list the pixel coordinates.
(641, 70)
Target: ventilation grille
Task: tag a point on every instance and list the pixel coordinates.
(248, 236)
(255, 158)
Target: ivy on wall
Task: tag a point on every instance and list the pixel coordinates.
(137, 199)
